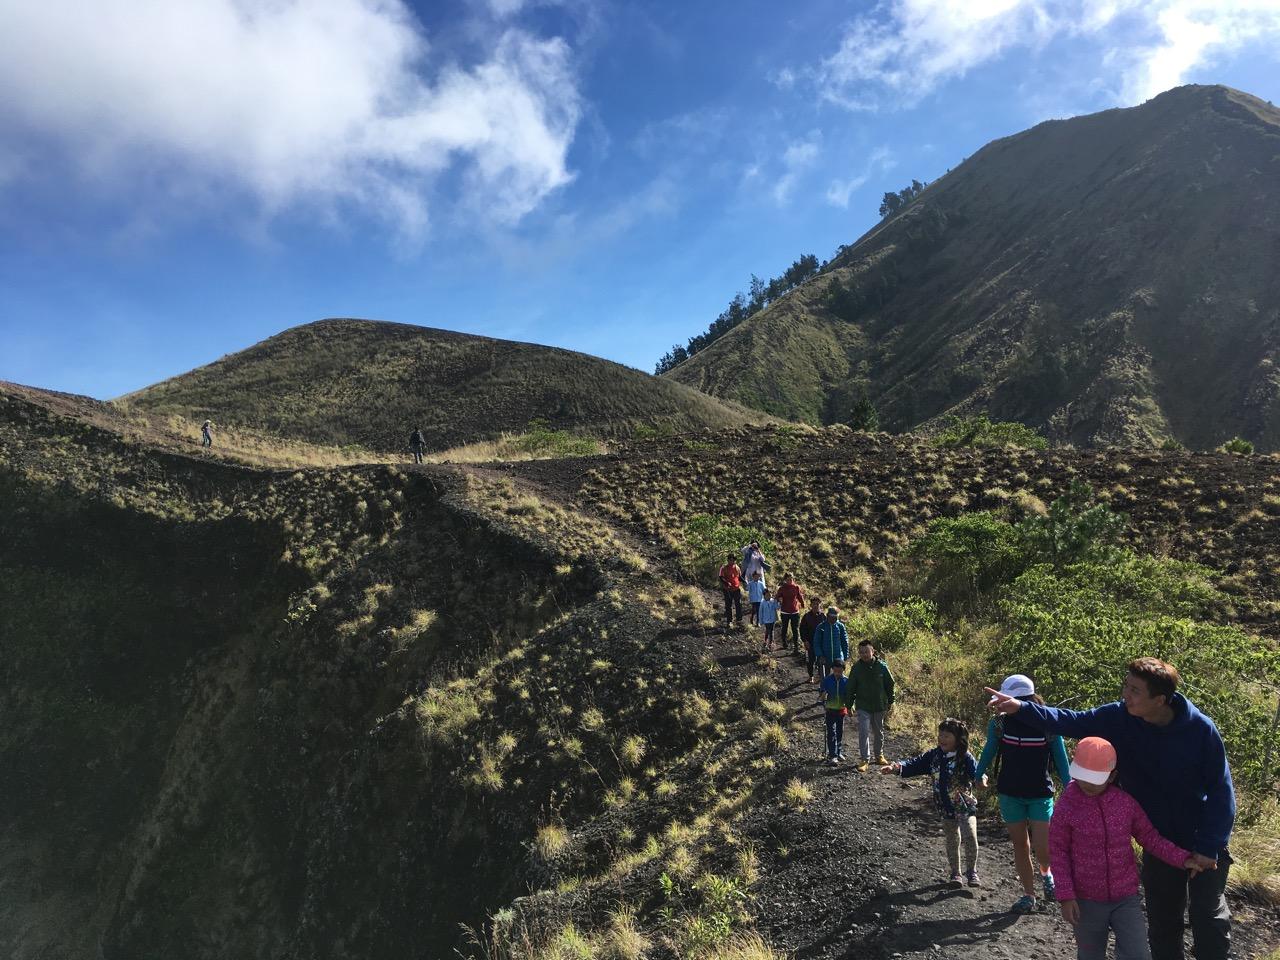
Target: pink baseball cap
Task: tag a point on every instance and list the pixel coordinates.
(1094, 760)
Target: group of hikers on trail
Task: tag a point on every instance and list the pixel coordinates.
(1149, 767)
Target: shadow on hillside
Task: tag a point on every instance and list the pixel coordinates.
(881, 914)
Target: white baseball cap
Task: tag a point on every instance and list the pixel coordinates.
(1017, 685)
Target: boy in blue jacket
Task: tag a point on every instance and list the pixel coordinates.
(1171, 759)
(837, 698)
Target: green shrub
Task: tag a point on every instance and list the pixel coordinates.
(981, 431)
(965, 558)
(1237, 445)
(1075, 528)
(709, 539)
(890, 627)
(1171, 445)
(541, 440)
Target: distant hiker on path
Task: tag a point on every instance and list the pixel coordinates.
(872, 697)
(836, 698)
(951, 767)
(417, 440)
(1171, 759)
(768, 618)
(791, 600)
(1093, 859)
(1021, 756)
(753, 561)
(731, 586)
(830, 642)
(808, 624)
(206, 434)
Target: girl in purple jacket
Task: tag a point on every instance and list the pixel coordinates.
(1093, 862)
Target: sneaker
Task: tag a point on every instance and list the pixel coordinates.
(1048, 887)
(1025, 904)
(863, 764)
(973, 879)
(832, 761)
(839, 758)
(882, 760)
(956, 880)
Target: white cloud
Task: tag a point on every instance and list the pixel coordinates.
(798, 157)
(783, 79)
(907, 48)
(292, 101)
(880, 161)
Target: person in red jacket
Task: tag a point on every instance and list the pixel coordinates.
(731, 585)
(791, 599)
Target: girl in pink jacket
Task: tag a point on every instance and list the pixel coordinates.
(1092, 859)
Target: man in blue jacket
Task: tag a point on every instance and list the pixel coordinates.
(1171, 759)
(830, 643)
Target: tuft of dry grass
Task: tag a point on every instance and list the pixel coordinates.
(550, 840)
(797, 794)
(1255, 848)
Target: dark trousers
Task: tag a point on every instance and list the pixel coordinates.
(768, 634)
(792, 620)
(835, 734)
(1169, 894)
(732, 606)
(813, 657)
(417, 454)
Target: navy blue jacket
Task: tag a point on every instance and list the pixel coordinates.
(1178, 773)
(1025, 752)
(952, 777)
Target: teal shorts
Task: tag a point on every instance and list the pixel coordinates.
(1018, 809)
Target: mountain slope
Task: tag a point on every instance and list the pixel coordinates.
(366, 382)
(1109, 279)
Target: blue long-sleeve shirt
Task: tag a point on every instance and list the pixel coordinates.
(831, 642)
(1178, 773)
(1025, 752)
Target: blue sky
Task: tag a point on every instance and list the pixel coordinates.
(181, 180)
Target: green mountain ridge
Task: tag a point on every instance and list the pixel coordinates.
(1108, 279)
(345, 381)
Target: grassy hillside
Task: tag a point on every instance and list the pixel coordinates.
(338, 712)
(1106, 279)
(361, 382)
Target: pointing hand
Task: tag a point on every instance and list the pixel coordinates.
(1003, 703)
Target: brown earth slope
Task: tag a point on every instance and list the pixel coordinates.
(1107, 279)
(368, 383)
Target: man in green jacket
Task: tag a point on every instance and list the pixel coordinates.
(871, 684)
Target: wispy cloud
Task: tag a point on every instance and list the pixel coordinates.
(880, 161)
(797, 158)
(325, 103)
(906, 49)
